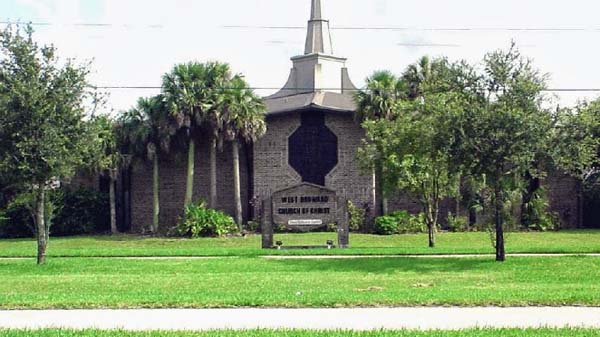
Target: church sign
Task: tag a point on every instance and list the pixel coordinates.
(305, 207)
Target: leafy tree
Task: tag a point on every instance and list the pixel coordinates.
(414, 151)
(244, 122)
(146, 131)
(499, 132)
(575, 149)
(576, 140)
(379, 101)
(42, 118)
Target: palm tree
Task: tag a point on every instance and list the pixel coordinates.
(380, 97)
(380, 100)
(415, 75)
(184, 89)
(147, 131)
(244, 121)
(217, 82)
(104, 156)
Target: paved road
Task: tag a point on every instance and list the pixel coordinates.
(352, 319)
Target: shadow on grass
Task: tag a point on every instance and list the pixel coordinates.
(392, 265)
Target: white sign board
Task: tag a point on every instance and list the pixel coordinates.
(314, 222)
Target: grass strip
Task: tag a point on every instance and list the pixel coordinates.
(580, 241)
(87, 283)
(300, 333)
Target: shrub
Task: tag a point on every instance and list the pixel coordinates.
(199, 221)
(71, 212)
(457, 223)
(546, 222)
(386, 225)
(17, 220)
(253, 226)
(408, 223)
(356, 217)
(81, 211)
(536, 216)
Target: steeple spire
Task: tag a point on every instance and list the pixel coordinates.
(318, 38)
(315, 10)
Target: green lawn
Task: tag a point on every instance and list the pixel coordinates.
(259, 282)
(587, 241)
(298, 333)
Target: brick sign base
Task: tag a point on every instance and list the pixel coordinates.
(304, 208)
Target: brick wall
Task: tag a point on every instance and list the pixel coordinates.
(565, 196)
(273, 173)
(172, 172)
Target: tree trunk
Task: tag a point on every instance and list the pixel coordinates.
(385, 205)
(431, 230)
(500, 252)
(379, 193)
(155, 195)
(431, 224)
(528, 217)
(213, 173)
(430, 220)
(235, 150)
(42, 238)
(113, 209)
(189, 183)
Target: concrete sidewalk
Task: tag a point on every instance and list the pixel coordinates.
(326, 319)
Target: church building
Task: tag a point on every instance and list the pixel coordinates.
(305, 168)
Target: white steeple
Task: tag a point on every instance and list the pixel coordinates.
(317, 73)
(318, 37)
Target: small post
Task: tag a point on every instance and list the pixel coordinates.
(266, 228)
(343, 225)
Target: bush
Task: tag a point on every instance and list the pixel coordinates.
(17, 220)
(536, 216)
(81, 211)
(72, 212)
(400, 222)
(356, 217)
(408, 223)
(253, 226)
(457, 223)
(386, 225)
(199, 221)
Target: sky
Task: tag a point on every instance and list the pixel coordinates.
(140, 40)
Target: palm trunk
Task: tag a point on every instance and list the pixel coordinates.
(113, 210)
(381, 199)
(42, 239)
(189, 184)
(500, 252)
(235, 150)
(155, 195)
(213, 173)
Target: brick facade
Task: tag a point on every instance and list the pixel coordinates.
(272, 171)
(172, 173)
(566, 199)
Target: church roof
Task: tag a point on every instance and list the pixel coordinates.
(318, 78)
(318, 99)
